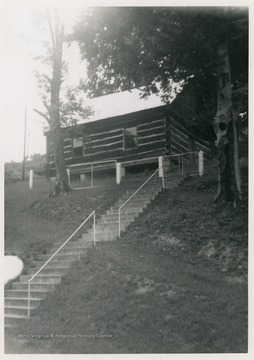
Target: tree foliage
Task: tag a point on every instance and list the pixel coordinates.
(58, 110)
(13, 169)
(154, 48)
(146, 47)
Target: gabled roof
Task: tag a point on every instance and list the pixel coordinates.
(120, 103)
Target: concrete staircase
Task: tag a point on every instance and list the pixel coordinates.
(16, 298)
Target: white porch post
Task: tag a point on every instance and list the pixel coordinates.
(69, 176)
(82, 178)
(162, 170)
(161, 166)
(201, 163)
(118, 173)
(31, 176)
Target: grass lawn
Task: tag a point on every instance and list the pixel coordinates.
(174, 283)
(34, 220)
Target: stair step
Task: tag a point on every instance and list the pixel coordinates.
(112, 223)
(12, 301)
(61, 257)
(129, 208)
(47, 270)
(8, 326)
(105, 236)
(138, 197)
(107, 230)
(114, 220)
(133, 202)
(40, 294)
(132, 205)
(109, 227)
(68, 250)
(145, 191)
(87, 238)
(53, 264)
(54, 279)
(114, 217)
(11, 320)
(34, 286)
(17, 310)
(73, 244)
(124, 210)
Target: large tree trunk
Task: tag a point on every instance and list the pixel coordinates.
(57, 36)
(61, 184)
(226, 131)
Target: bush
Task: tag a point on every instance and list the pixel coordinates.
(13, 170)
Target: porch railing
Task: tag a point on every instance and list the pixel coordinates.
(57, 251)
(180, 159)
(92, 164)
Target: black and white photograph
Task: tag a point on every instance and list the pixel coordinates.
(125, 178)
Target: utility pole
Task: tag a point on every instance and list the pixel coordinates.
(24, 157)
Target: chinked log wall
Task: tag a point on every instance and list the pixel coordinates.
(157, 134)
(180, 139)
(104, 141)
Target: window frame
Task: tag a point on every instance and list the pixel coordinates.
(124, 138)
(77, 147)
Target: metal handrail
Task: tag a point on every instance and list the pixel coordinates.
(186, 153)
(92, 162)
(119, 210)
(139, 160)
(180, 159)
(69, 238)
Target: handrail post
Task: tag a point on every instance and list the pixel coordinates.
(69, 176)
(119, 222)
(163, 179)
(94, 232)
(28, 306)
(91, 174)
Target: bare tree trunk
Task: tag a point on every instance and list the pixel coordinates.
(61, 184)
(57, 36)
(225, 130)
(238, 101)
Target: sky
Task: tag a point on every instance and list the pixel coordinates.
(20, 40)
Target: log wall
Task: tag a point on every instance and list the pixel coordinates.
(158, 133)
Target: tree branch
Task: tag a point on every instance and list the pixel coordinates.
(42, 114)
(51, 29)
(46, 106)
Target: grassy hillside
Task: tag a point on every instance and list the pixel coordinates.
(174, 283)
(34, 220)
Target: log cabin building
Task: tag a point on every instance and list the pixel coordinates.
(136, 136)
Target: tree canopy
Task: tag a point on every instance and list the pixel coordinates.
(150, 47)
(155, 48)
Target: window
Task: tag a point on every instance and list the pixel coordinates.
(130, 138)
(77, 147)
